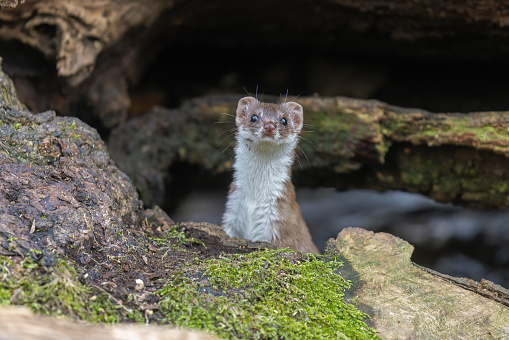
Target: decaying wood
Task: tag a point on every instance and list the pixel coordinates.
(20, 324)
(484, 288)
(73, 33)
(459, 158)
(406, 302)
(90, 46)
(69, 37)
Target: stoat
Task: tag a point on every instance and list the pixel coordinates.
(261, 204)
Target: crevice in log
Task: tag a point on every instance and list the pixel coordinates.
(484, 288)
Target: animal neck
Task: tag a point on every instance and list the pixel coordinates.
(263, 162)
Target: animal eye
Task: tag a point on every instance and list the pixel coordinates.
(284, 122)
(254, 119)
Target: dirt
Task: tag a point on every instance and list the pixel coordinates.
(155, 253)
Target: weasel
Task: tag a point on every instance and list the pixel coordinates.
(261, 204)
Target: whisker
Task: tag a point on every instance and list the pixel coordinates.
(249, 93)
(302, 151)
(310, 142)
(307, 131)
(296, 97)
(224, 122)
(300, 164)
(229, 130)
(224, 113)
(286, 97)
(231, 157)
(225, 138)
(228, 147)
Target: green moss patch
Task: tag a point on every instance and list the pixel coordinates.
(176, 238)
(53, 290)
(270, 294)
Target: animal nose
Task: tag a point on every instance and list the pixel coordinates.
(269, 127)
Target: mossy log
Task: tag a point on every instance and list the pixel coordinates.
(348, 143)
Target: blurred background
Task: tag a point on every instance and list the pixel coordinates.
(432, 55)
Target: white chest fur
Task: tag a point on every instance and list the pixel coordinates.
(261, 171)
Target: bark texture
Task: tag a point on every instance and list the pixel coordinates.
(407, 302)
(58, 186)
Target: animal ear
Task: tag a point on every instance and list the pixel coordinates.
(244, 103)
(297, 113)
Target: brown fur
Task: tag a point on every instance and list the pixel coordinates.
(292, 229)
(250, 106)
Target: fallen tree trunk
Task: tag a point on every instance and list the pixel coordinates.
(458, 158)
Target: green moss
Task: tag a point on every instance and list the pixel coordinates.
(338, 137)
(466, 129)
(272, 294)
(53, 291)
(413, 178)
(502, 187)
(176, 238)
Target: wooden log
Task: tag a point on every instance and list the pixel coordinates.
(62, 43)
(74, 33)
